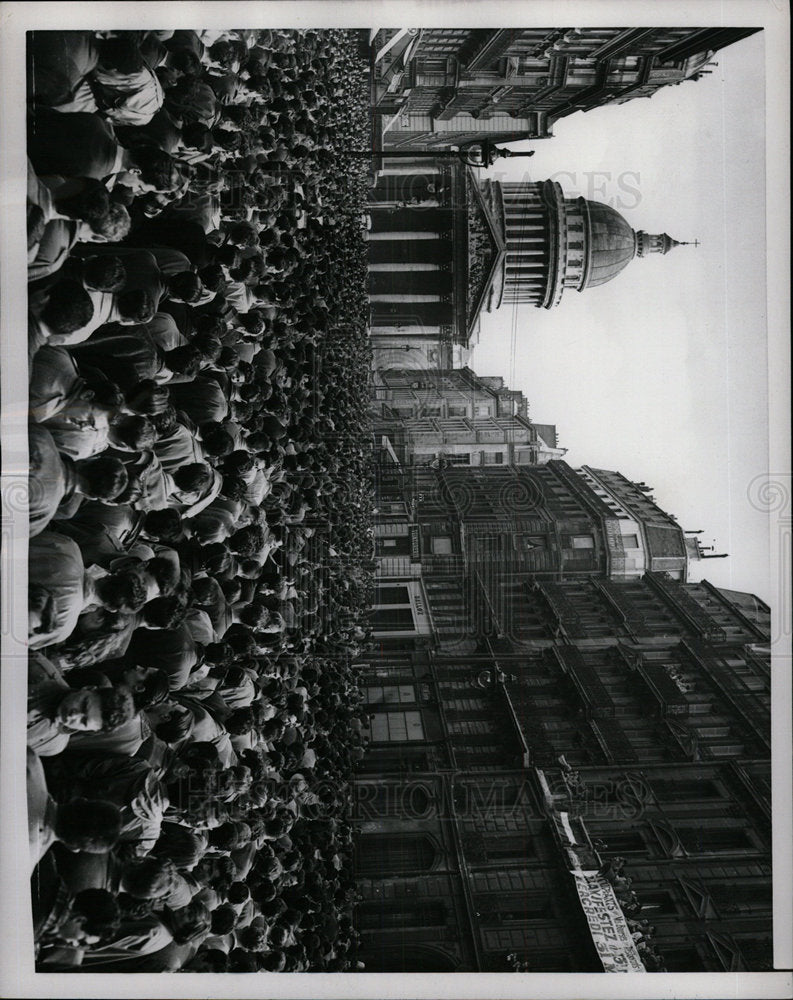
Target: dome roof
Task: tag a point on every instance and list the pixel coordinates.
(611, 244)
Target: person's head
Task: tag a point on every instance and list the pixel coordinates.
(253, 937)
(238, 893)
(91, 710)
(216, 440)
(187, 63)
(175, 723)
(184, 360)
(134, 305)
(243, 234)
(121, 53)
(164, 525)
(94, 916)
(104, 273)
(255, 615)
(157, 168)
(207, 960)
(102, 478)
(165, 612)
(241, 960)
(69, 307)
(219, 654)
(83, 198)
(192, 481)
(216, 558)
(185, 286)
(248, 541)
(273, 961)
(230, 836)
(115, 225)
(264, 891)
(240, 721)
(149, 878)
(149, 685)
(133, 432)
(224, 919)
(164, 570)
(212, 277)
(92, 826)
(234, 488)
(125, 590)
(188, 923)
(183, 846)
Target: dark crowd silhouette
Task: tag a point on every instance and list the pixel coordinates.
(201, 554)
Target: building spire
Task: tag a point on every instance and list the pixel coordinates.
(647, 243)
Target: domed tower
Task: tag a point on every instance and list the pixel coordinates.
(553, 243)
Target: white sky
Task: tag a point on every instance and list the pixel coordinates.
(662, 373)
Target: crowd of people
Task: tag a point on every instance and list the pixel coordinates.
(201, 554)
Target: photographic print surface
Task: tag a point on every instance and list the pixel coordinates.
(357, 640)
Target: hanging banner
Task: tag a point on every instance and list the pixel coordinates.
(607, 925)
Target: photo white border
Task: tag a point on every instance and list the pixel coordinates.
(17, 978)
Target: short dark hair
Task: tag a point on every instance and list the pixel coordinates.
(185, 286)
(212, 277)
(176, 727)
(187, 62)
(248, 541)
(69, 307)
(106, 478)
(123, 591)
(165, 572)
(255, 615)
(155, 166)
(149, 877)
(100, 909)
(104, 273)
(121, 52)
(165, 612)
(217, 960)
(230, 836)
(216, 440)
(118, 706)
(165, 525)
(135, 431)
(114, 225)
(179, 843)
(196, 476)
(253, 937)
(240, 721)
(90, 825)
(153, 690)
(242, 961)
(90, 203)
(224, 919)
(135, 304)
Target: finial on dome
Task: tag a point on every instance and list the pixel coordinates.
(647, 243)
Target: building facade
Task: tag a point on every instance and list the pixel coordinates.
(569, 767)
(444, 246)
(435, 87)
(456, 417)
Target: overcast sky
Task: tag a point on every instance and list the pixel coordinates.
(662, 373)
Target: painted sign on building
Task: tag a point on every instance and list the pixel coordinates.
(415, 547)
(607, 924)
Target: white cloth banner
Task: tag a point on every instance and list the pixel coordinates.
(607, 924)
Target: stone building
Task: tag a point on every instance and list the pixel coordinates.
(444, 246)
(435, 87)
(425, 416)
(567, 738)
